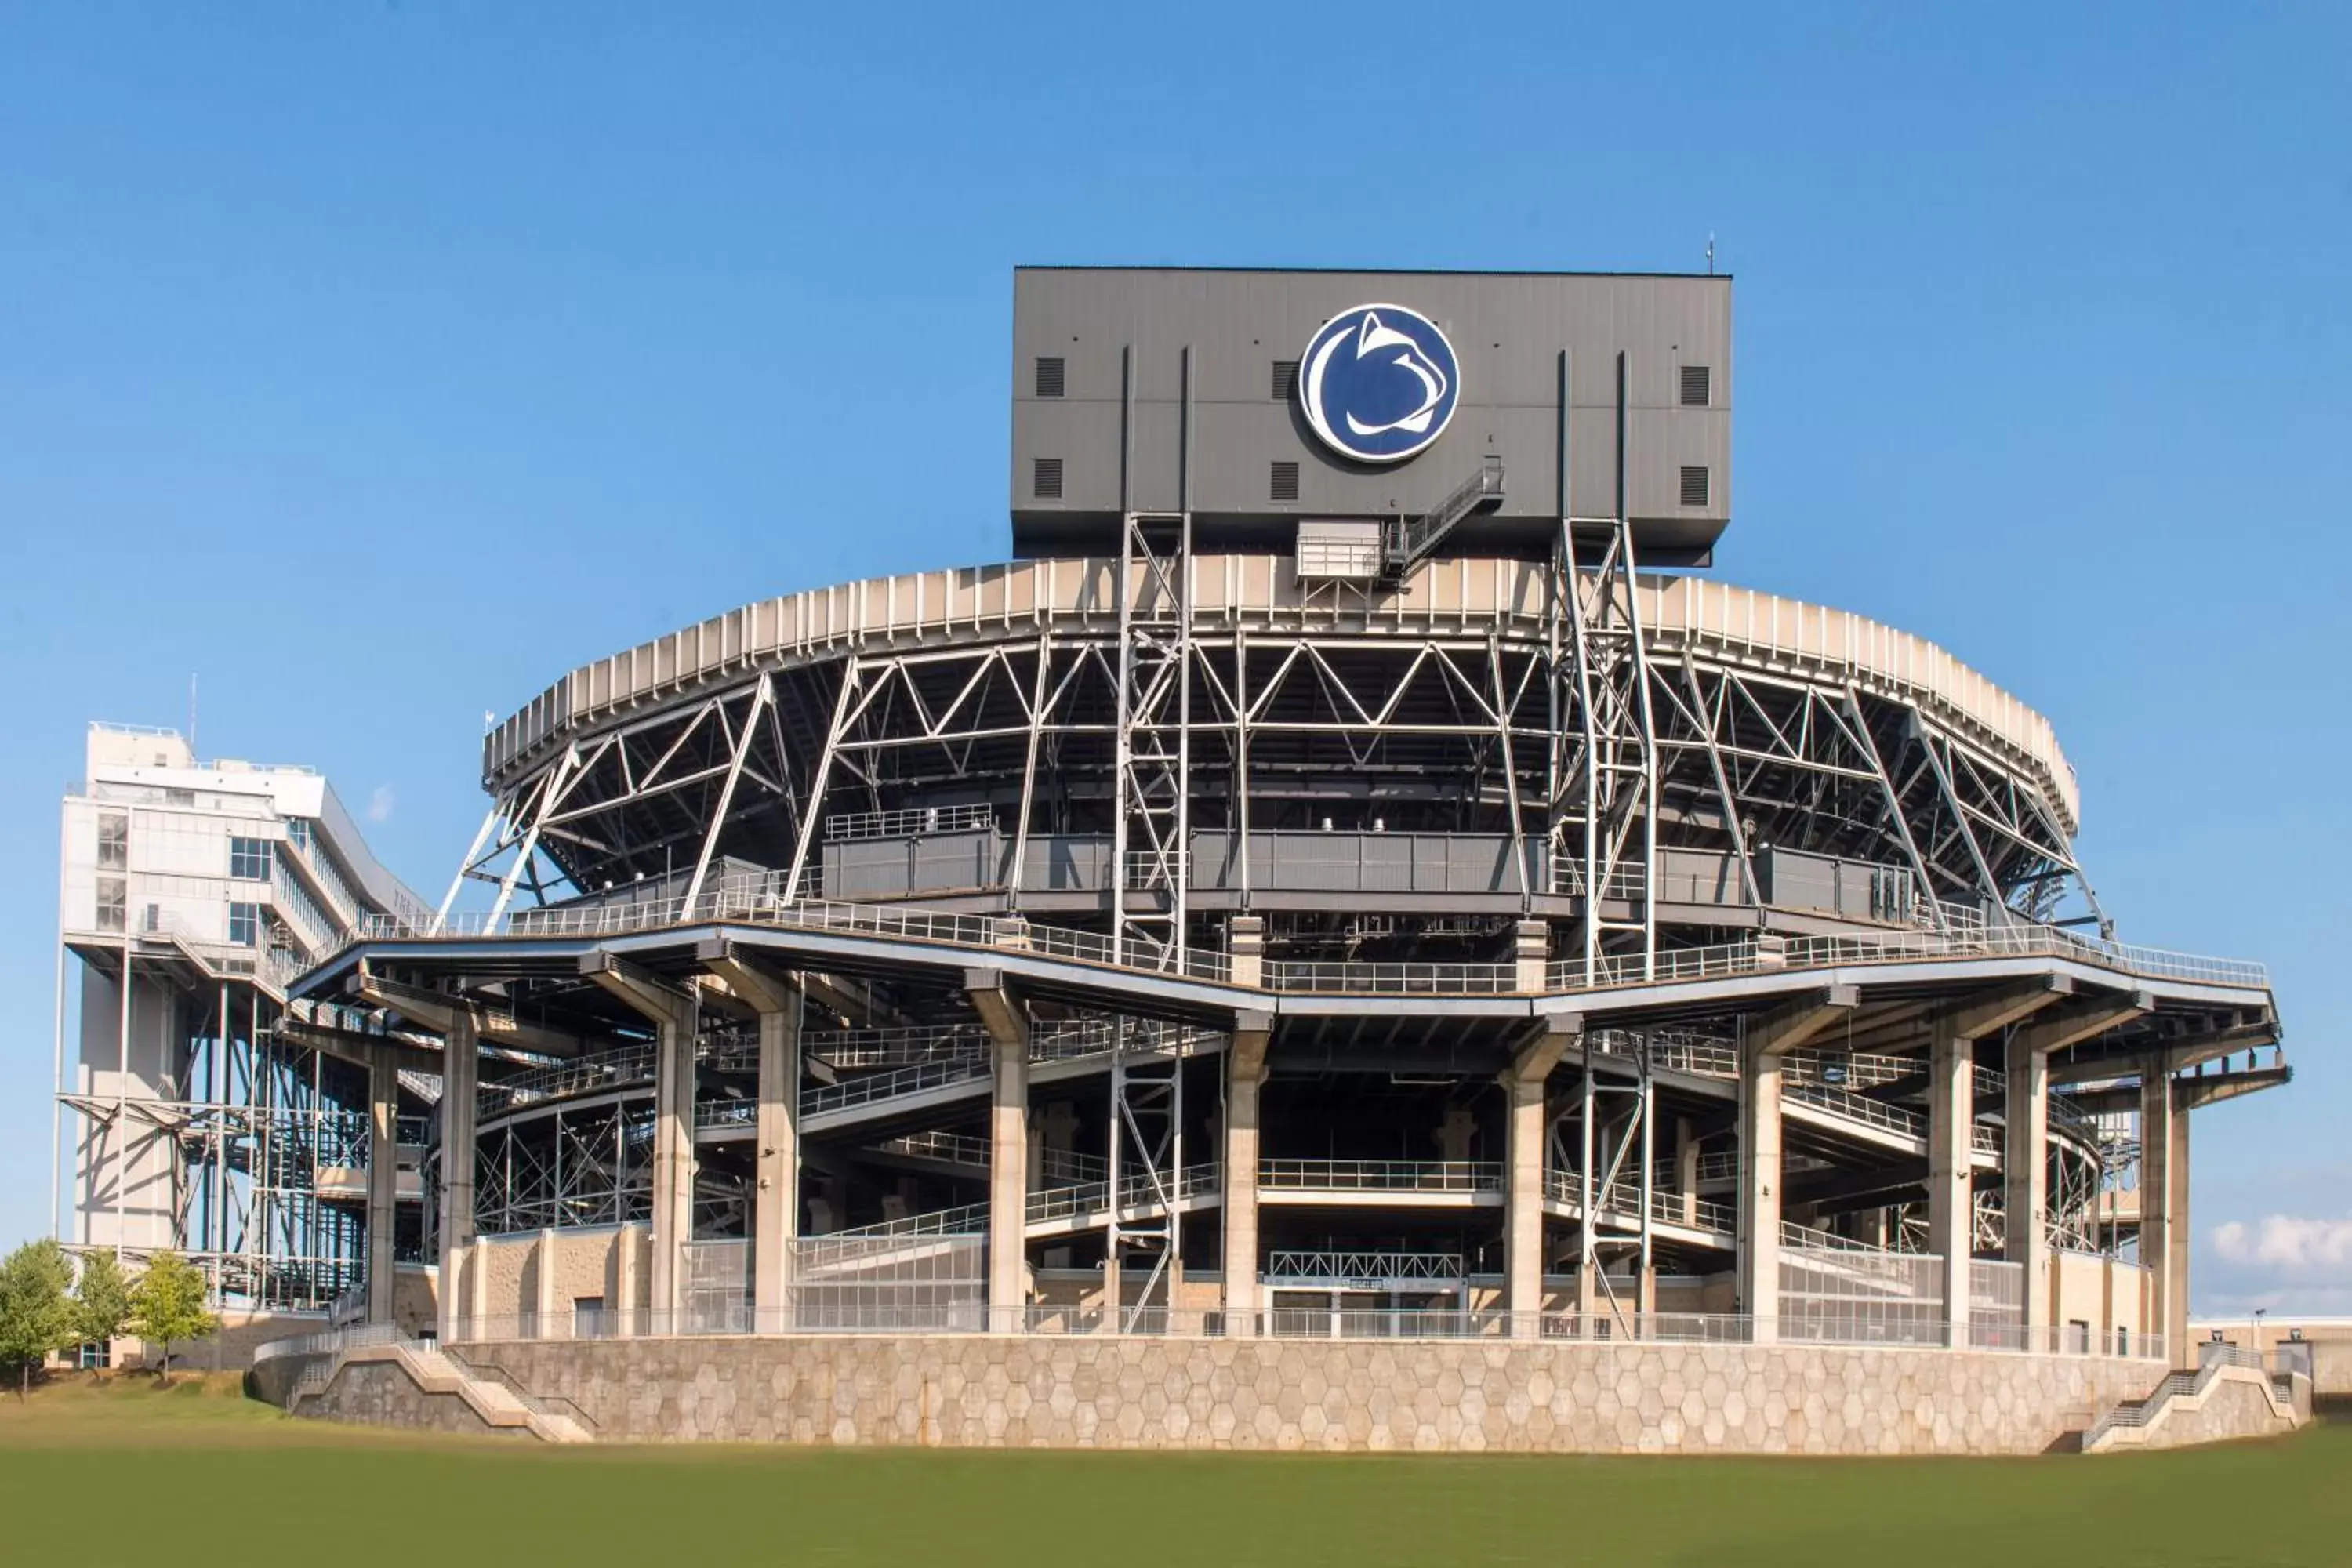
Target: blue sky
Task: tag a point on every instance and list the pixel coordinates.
(380, 363)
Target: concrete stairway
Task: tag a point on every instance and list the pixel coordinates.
(435, 1372)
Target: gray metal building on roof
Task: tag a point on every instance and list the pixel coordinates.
(1175, 390)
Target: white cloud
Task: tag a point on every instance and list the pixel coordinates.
(2288, 1246)
(379, 803)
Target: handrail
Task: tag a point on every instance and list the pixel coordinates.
(1381, 1175)
(757, 900)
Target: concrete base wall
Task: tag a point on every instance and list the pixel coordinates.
(987, 1392)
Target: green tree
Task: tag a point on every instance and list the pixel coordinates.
(101, 1299)
(167, 1305)
(36, 1315)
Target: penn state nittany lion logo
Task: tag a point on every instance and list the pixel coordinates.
(1379, 382)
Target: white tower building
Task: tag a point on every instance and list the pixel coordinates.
(191, 892)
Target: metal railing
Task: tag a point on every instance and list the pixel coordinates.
(844, 827)
(2019, 939)
(967, 1219)
(857, 1050)
(1623, 1200)
(760, 900)
(1342, 1320)
(1381, 1175)
(1347, 977)
(624, 1067)
(874, 1088)
(1137, 1192)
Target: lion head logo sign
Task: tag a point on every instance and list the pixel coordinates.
(1379, 382)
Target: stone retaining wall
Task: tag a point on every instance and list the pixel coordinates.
(381, 1394)
(1431, 1395)
(2237, 1403)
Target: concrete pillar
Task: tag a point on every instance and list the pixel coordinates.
(1246, 946)
(1951, 1218)
(1760, 1192)
(1687, 1168)
(460, 1065)
(2164, 1211)
(776, 1201)
(673, 1205)
(1244, 1077)
(1523, 1200)
(383, 1184)
(627, 1247)
(552, 1321)
(1531, 953)
(2026, 1195)
(1008, 1185)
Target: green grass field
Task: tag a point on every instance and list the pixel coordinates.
(121, 1473)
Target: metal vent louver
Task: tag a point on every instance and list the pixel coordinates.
(1698, 392)
(1049, 377)
(1046, 480)
(1283, 485)
(1286, 379)
(1694, 486)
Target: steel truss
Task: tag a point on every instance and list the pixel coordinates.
(665, 789)
(1616, 1150)
(573, 1163)
(244, 1158)
(1145, 1146)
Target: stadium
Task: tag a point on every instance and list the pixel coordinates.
(1352, 937)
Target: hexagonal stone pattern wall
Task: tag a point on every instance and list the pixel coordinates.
(1434, 1397)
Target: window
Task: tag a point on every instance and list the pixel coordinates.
(1049, 377)
(244, 925)
(113, 903)
(1045, 478)
(1694, 486)
(1283, 483)
(1695, 386)
(114, 841)
(297, 834)
(179, 796)
(248, 859)
(588, 1318)
(94, 1355)
(1286, 379)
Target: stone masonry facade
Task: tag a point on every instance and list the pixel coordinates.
(1303, 1394)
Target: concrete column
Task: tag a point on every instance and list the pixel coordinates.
(776, 1203)
(626, 1248)
(1523, 1200)
(2164, 1211)
(552, 1322)
(460, 1064)
(1246, 945)
(383, 1184)
(673, 1205)
(1951, 1218)
(2026, 1195)
(1244, 1077)
(1008, 1185)
(1531, 953)
(1687, 1168)
(1760, 1192)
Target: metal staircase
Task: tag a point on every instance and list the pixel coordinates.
(1409, 541)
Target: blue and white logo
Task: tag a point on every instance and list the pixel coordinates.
(1379, 382)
